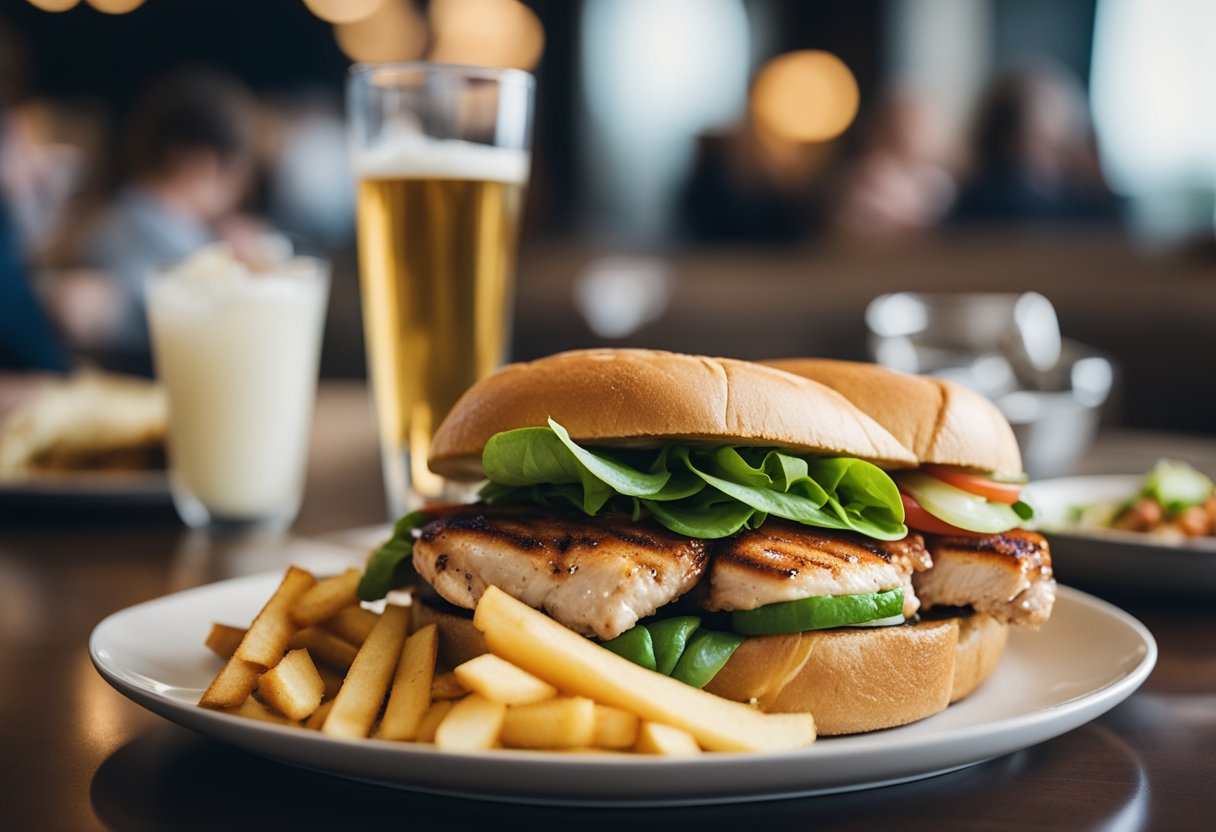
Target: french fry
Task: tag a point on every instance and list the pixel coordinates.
(325, 648)
(352, 624)
(411, 692)
(431, 719)
(501, 681)
(654, 738)
(326, 598)
(332, 682)
(253, 709)
(232, 685)
(447, 686)
(472, 724)
(223, 640)
(314, 722)
(292, 687)
(563, 722)
(614, 728)
(261, 647)
(266, 640)
(358, 702)
(536, 643)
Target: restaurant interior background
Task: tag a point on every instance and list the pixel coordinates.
(737, 177)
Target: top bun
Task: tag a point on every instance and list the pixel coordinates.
(942, 422)
(642, 398)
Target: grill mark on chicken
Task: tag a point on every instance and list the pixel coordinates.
(489, 524)
(1008, 576)
(594, 574)
(783, 561)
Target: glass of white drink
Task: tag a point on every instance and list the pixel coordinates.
(238, 350)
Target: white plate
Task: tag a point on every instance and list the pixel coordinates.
(1087, 659)
(93, 488)
(1113, 558)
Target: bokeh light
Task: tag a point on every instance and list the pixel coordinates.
(54, 5)
(498, 33)
(393, 32)
(806, 96)
(343, 11)
(116, 6)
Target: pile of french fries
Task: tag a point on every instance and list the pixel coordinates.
(314, 658)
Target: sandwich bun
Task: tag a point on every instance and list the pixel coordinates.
(940, 422)
(851, 680)
(643, 398)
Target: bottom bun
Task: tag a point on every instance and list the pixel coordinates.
(459, 640)
(862, 679)
(851, 680)
(981, 643)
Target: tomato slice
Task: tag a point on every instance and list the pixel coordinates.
(917, 518)
(998, 492)
(437, 507)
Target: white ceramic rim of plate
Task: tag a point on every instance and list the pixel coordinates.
(1004, 735)
(105, 484)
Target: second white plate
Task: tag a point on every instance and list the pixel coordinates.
(1114, 559)
(1086, 660)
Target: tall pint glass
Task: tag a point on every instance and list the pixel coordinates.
(441, 153)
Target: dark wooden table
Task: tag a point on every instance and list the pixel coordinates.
(75, 755)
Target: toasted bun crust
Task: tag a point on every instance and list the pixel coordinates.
(459, 640)
(941, 422)
(851, 680)
(981, 643)
(644, 397)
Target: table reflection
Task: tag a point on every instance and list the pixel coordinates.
(168, 778)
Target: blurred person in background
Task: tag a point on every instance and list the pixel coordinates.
(900, 181)
(737, 192)
(309, 184)
(28, 341)
(189, 150)
(1035, 158)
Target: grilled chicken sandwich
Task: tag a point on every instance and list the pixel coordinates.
(725, 523)
(966, 496)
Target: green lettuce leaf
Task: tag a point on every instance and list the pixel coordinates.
(704, 492)
(392, 564)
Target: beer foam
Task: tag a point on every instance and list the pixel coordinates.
(415, 157)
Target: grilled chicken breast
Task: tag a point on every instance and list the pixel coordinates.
(1005, 575)
(596, 575)
(783, 561)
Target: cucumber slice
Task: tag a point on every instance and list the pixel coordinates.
(817, 613)
(1176, 486)
(634, 645)
(705, 655)
(957, 507)
(670, 637)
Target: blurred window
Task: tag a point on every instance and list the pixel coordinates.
(1153, 82)
(656, 73)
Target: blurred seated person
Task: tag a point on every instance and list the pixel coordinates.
(27, 339)
(1034, 154)
(743, 187)
(900, 182)
(190, 154)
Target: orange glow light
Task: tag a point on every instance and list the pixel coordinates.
(54, 5)
(343, 11)
(498, 33)
(116, 6)
(806, 96)
(392, 32)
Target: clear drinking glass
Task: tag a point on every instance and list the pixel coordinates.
(238, 353)
(441, 153)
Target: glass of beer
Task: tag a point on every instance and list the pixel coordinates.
(441, 153)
